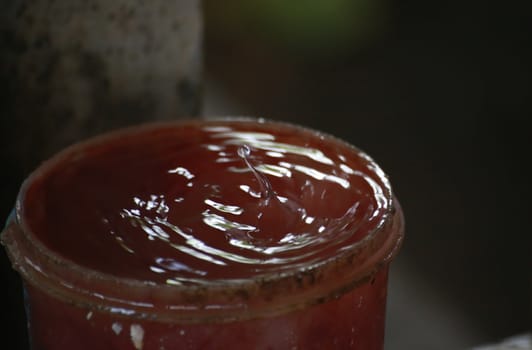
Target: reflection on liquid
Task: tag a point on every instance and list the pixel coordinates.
(248, 204)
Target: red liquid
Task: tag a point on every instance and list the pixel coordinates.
(194, 212)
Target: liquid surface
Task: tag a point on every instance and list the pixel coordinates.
(201, 202)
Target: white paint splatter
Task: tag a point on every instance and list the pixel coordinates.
(117, 328)
(137, 336)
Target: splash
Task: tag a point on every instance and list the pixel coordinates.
(219, 202)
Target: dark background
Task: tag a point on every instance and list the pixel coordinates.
(437, 92)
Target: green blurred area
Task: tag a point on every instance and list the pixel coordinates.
(313, 28)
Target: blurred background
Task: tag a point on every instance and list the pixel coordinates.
(438, 93)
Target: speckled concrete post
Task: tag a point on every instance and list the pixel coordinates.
(70, 69)
(74, 68)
